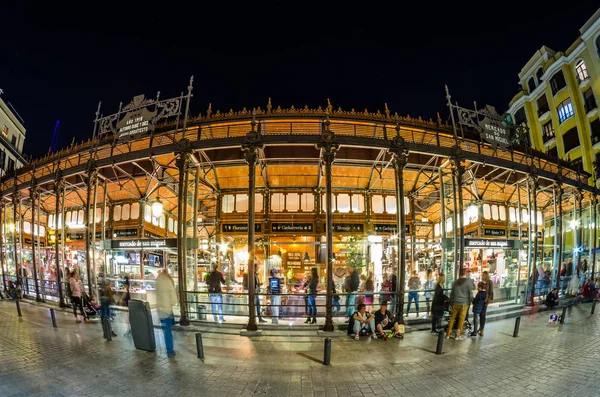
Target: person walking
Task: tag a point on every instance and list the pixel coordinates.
(489, 297)
(76, 297)
(312, 296)
(214, 280)
(165, 300)
(478, 305)
(460, 297)
(414, 284)
(438, 304)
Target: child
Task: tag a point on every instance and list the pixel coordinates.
(478, 303)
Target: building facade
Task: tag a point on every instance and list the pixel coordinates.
(558, 100)
(12, 139)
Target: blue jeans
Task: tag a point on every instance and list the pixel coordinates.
(358, 326)
(105, 311)
(413, 296)
(312, 306)
(335, 307)
(350, 300)
(257, 304)
(167, 323)
(217, 306)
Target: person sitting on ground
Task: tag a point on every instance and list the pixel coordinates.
(363, 320)
(586, 291)
(478, 303)
(385, 321)
(552, 299)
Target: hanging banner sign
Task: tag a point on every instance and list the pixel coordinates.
(347, 227)
(125, 233)
(481, 243)
(145, 243)
(494, 232)
(240, 227)
(292, 227)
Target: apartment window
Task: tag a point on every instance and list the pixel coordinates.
(5, 131)
(2, 158)
(542, 104)
(539, 74)
(589, 101)
(571, 139)
(557, 82)
(11, 165)
(548, 131)
(553, 152)
(581, 71)
(531, 84)
(595, 130)
(565, 110)
(227, 203)
(520, 117)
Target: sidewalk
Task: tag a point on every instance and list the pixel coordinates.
(73, 359)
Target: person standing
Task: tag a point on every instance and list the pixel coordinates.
(275, 290)
(429, 287)
(438, 304)
(214, 280)
(76, 294)
(106, 299)
(394, 282)
(478, 304)
(460, 297)
(488, 286)
(352, 284)
(369, 289)
(257, 285)
(414, 284)
(165, 300)
(312, 296)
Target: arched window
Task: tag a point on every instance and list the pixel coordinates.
(531, 84)
(581, 71)
(539, 74)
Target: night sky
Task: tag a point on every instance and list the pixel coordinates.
(58, 60)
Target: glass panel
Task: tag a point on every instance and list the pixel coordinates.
(161, 222)
(227, 203)
(258, 202)
(436, 230)
(324, 203)
(377, 204)
(390, 204)
(135, 211)
(59, 221)
(125, 212)
(27, 227)
(170, 224)
(292, 202)
(155, 221)
(524, 216)
(343, 202)
(98, 214)
(448, 225)
(540, 218)
(358, 203)
(472, 214)
(42, 231)
(277, 202)
(511, 215)
(50, 221)
(147, 213)
(502, 213)
(116, 213)
(68, 216)
(241, 203)
(406, 206)
(308, 202)
(487, 212)
(80, 217)
(495, 215)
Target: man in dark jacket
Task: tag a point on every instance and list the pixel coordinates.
(460, 298)
(552, 299)
(214, 281)
(478, 305)
(438, 304)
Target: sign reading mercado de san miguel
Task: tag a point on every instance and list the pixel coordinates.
(493, 130)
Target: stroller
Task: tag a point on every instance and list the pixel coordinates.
(467, 326)
(91, 308)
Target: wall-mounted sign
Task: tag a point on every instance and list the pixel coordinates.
(494, 132)
(390, 228)
(294, 260)
(240, 227)
(292, 227)
(481, 243)
(145, 243)
(347, 227)
(494, 232)
(125, 233)
(515, 233)
(138, 121)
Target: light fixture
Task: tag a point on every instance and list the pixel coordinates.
(157, 208)
(306, 257)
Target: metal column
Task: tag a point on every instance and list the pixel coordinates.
(328, 154)
(556, 262)
(534, 185)
(455, 242)
(2, 226)
(413, 233)
(18, 267)
(93, 237)
(529, 242)
(458, 173)
(182, 164)
(251, 155)
(33, 194)
(594, 237)
(578, 232)
(195, 223)
(443, 225)
(58, 188)
(90, 182)
(520, 220)
(559, 194)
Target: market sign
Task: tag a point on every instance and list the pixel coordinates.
(489, 243)
(494, 132)
(294, 260)
(139, 121)
(494, 232)
(125, 233)
(145, 243)
(292, 227)
(389, 228)
(347, 227)
(240, 227)
(515, 233)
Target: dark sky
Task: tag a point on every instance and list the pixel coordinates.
(58, 60)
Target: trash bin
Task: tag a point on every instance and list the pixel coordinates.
(202, 312)
(142, 329)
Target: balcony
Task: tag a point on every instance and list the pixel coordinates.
(543, 113)
(590, 106)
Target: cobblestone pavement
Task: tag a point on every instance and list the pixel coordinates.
(74, 360)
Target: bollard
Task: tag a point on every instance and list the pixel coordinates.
(593, 306)
(19, 308)
(563, 315)
(199, 346)
(327, 352)
(53, 317)
(440, 342)
(517, 324)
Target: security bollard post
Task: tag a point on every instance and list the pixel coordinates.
(563, 315)
(199, 346)
(593, 306)
(53, 317)
(440, 342)
(19, 308)
(517, 324)
(327, 352)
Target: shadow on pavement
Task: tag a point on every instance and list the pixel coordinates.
(309, 357)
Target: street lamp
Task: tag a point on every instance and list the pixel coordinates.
(157, 208)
